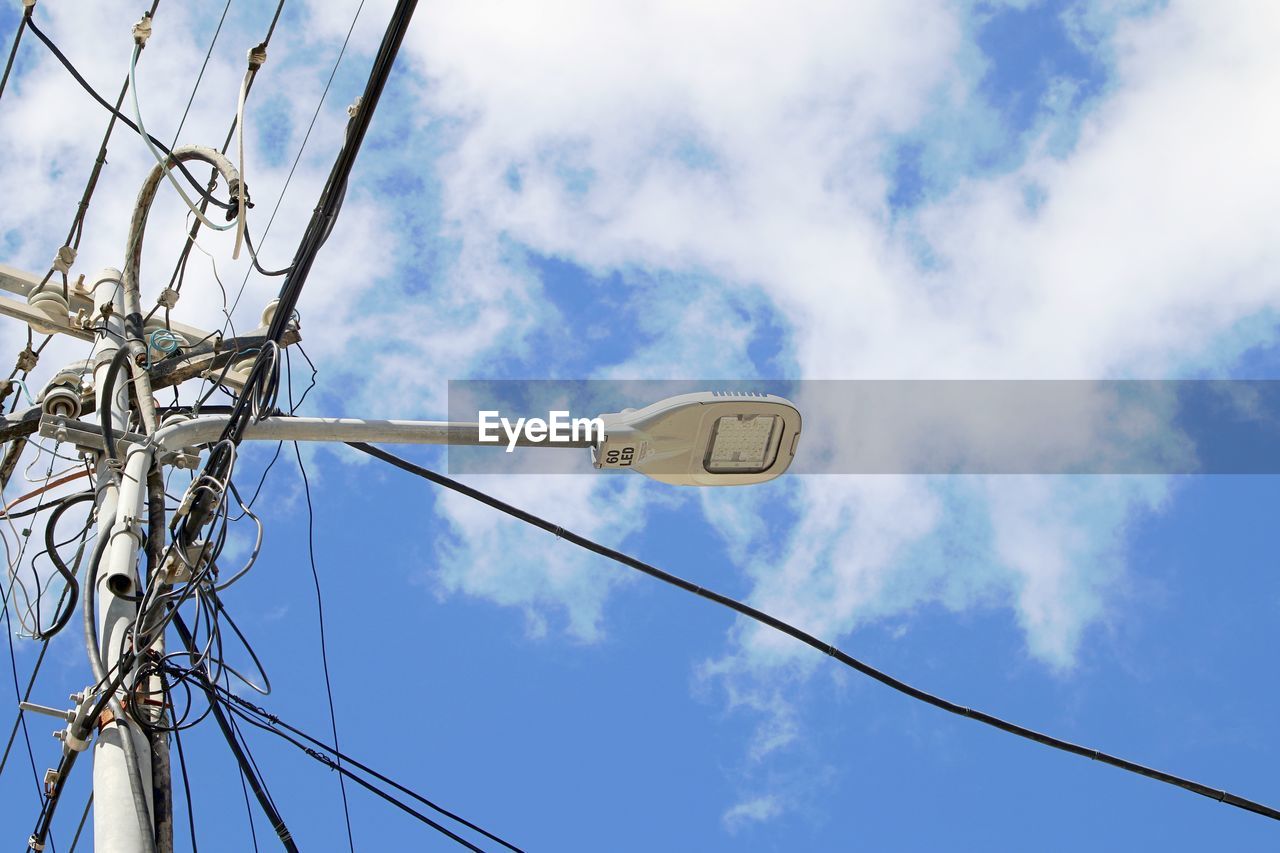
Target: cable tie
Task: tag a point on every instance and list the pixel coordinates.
(28, 4)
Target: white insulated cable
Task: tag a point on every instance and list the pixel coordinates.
(166, 162)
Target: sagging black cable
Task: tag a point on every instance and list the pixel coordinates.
(228, 696)
(72, 592)
(84, 84)
(259, 791)
(35, 510)
(334, 765)
(253, 256)
(812, 641)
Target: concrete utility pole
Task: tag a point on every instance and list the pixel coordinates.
(131, 775)
(122, 778)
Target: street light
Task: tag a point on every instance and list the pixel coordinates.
(710, 438)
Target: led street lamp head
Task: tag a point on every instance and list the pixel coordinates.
(703, 439)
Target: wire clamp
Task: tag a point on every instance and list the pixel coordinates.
(354, 109)
(168, 298)
(27, 360)
(142, 31)
(64, 259)
(28, 4)
(257, 56)
(235, 186)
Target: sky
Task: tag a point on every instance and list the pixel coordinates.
(892, 189)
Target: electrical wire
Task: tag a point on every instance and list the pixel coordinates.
(163, 161)
(298, 157)
(186, 787)
(26, 694)
(77, 223)
(237, 749)
(333, 764)
(324, 654)
(84, 84)
(812, 641)
(275, 721)
(248, 811)
(13, 51)
(84, 817)
(180, 268)
(208, 54)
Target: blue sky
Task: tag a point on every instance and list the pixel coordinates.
(895, 190)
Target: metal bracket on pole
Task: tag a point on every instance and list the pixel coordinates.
(89, 437)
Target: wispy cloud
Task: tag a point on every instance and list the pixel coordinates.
(754, 810)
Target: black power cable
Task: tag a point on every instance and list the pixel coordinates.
(71, 594)
(237, 749)
(275, 721)
(186, 785)
(264, 373)
(13, 51)
(84, 84)
(324, 653)
(364, 783)
(84, 816)
(810, 640)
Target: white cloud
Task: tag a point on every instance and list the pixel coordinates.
(747, 144)
(493, 557)
(754, 810)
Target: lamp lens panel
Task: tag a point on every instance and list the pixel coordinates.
(742, 444)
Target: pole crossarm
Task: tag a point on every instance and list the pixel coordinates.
(206, 359)
(79, 302)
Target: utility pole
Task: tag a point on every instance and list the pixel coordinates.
(131, 775)
(122, 775)
(123, 619)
